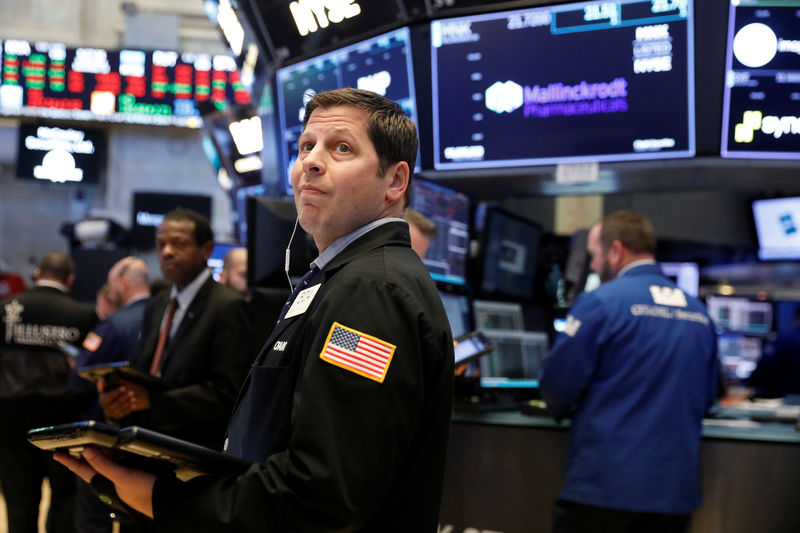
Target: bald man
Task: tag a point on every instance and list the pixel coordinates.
(117, 338)
(234, 271)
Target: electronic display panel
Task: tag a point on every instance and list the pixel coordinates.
(446, 259)
(158, 87)
(381, 64)
(685, 275)
(54, 154)
(510, 248)
(761, 106)
(300, 28)
(150, 208)
(777, 222)
(599, 81)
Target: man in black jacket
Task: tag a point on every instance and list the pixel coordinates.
(34, 391)
(201, 351)
(346, 411)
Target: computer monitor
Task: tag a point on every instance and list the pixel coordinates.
(381, 64)
(777, 222)
(685, 275)
(509, 252)
(490, 315)
(217, 258)
(738, 355)
(740, 315)
(588, 81)
(760, 103)
(458, 312)
(270, 222)
(446, 259)
(516, 360)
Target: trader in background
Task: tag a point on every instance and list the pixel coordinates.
(346, 411)
(234, 271)
(34, 392)
(195, 337)
(636, 369)
(422, 231)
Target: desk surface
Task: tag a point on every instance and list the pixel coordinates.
(712, 428)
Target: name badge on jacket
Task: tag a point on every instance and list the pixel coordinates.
(303, 300)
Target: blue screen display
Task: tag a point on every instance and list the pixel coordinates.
(574, 82)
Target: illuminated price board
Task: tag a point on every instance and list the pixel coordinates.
(159, 87)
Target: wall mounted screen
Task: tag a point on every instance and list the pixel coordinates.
(53, 154)
(597, 81)
(381, 64)
(158, 87)
(777, 223)
(761, 108)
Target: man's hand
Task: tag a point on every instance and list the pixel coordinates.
(125, 399)
(134, 487)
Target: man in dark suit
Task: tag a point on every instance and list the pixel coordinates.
(34, 392)
(195, 337)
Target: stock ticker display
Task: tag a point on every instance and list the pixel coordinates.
(381, 64)
(158, 87)
(761, 109)
(596, 81)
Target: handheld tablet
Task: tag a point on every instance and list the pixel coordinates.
(112, 372)
(137, 447)
(470, 346)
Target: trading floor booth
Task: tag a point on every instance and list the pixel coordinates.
(504, 471)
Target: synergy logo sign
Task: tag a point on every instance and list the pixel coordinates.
(753, 121)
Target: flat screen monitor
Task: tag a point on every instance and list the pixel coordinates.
(270, 222)
(215, 262)
(685, 275)
(599, 81)
(149, 209)
(777, 222)
(298, 29)
(154, 87)
(738, 355)
(52, 154)
(242, 194)
(381, 64)
(458, 312)
(740, 315)
(515, 361)
(509, 251)
(446, 259)
(490, 315)
(761, 106)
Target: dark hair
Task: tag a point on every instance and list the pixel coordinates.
(632, 229)
(56, 266)
(392, 133)
(202, 227)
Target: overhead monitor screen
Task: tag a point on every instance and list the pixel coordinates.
(599, 81)
(52, 154)
(777, 223)
(381, 64)
(446, 259)
(157, 87)
(761, 108)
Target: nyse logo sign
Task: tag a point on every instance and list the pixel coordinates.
(311, 15)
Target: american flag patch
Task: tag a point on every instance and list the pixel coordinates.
(92, 341)
(357, 352)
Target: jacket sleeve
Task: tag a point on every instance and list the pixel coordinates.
(349, 433)
(568, 368)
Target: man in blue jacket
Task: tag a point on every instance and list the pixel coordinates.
(636, 369)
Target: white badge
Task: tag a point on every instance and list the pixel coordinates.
(302, 301)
